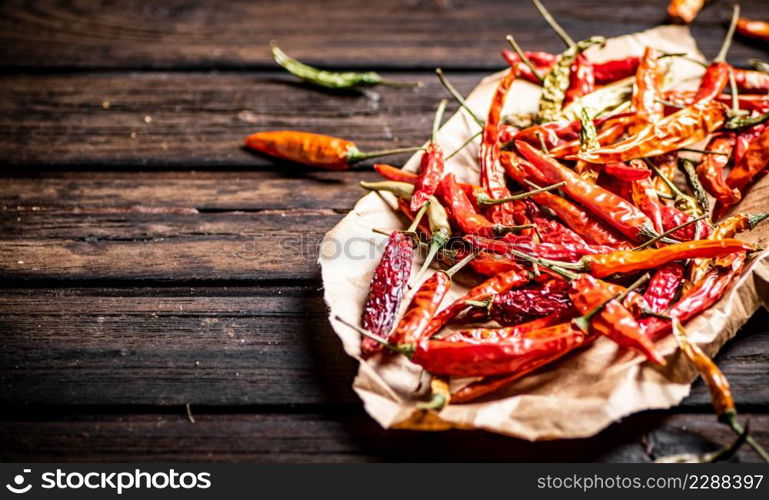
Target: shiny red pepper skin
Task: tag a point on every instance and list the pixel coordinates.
(566, 252)
(581, 79)
(542, 61)
(648, 89)
(629, 261)
(430, 174)
(462, 211)
(631, 171)
(529, 303)
(714, 81)
(711, 169)
(479, 335)
(492, 174)
(616, 211)
(616, 69)
(663, 286)
(395, 174)
(703, 295)
(750, 81)
(386, 290)
(755, 160)
(421, 310)
(512, 355)
(646, 199)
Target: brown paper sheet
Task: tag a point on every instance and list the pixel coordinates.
(576, 397)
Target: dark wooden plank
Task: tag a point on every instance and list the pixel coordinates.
(387, 33)
(338, 436)
(217, 346)
(163, 246)
(97, 191)
(194, 120)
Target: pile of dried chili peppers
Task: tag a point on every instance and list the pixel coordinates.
(578, 228)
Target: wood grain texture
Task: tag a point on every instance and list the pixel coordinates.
(336, 435)
(193, 120)
(389, 33)
(219, 346)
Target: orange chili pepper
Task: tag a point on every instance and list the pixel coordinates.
(683, 128)
(684, 11)
(711, 169)
(753, 28)
(317, 150)
(648, 88)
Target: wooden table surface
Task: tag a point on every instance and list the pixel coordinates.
(142, 251)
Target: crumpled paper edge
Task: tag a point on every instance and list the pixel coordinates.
(389, 388)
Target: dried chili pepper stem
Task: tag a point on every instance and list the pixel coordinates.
(729, 35)
(441, 232)
(511, 40)
(731, 421)
(663, 236)
(639, 282)
(406, 350)
(569, 41)
(457, 96)
(439, 388)
(332, 79)
(704, 151)
(464, 144)
(682, 200)
(355, 156)
(437, 120)
(551, 265)
(694, 182)
(484, 199)
(759, 65)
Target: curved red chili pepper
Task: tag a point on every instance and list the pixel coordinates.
(421, 310)
(581, 79)
(711, 169)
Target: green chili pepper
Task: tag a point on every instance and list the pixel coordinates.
(557, 81)
(588, 136)
(694, 182)
(332, 79)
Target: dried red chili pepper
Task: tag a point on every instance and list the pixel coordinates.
(424, 304)
(581, 79)
(755, 160)
(681, 129)
(750, 81)
(684, 11)
(492, 174)
(645, 197)
(520, 330)
(615, 69)
(711, 169)
(386, 290)
(568, 252)
(542, 62)
(313, 149)
(760, 103)
(664, 286)
(431, 168)
(648, 88)
(630, 261)
(528, 303)
(753, 28)
(616, 211)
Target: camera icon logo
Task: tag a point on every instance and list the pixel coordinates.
(18, 482)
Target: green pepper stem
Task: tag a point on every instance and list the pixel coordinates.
(759, 65)
(682, 55)
(501, 229)
(354, 155)
(478, 303)
(406, 350)
(694, 182)
(437, 402)
(668, 233)
(756, 219)
(729, 35)
(560, 268)
(402, 190)
(640, 281)
(437, 120)
(437, 241)
(464, 144)
(520, 196)
(457, 96)
(704, 151)
(731, 421)
(569, 41)
(462, 263)
(418, 217)
(517, 48)
(583, 322)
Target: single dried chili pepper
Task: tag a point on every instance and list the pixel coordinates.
(317, 150)
(711, 169)
(387, 286)
(664, 286)
(645, 197)
(647, 89)
(431, 168)
(684, 11)
(616, 211)
(557, 81)
(720, 393)
(492, 174)
(753, 28)
(717, 74)
(630, 261)
(581, 79)
(485, 334)
(568, 252)
(682, 128)
(332, 79)
(750, 81)
(528, 303)
(424, 304)
(755, 160)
